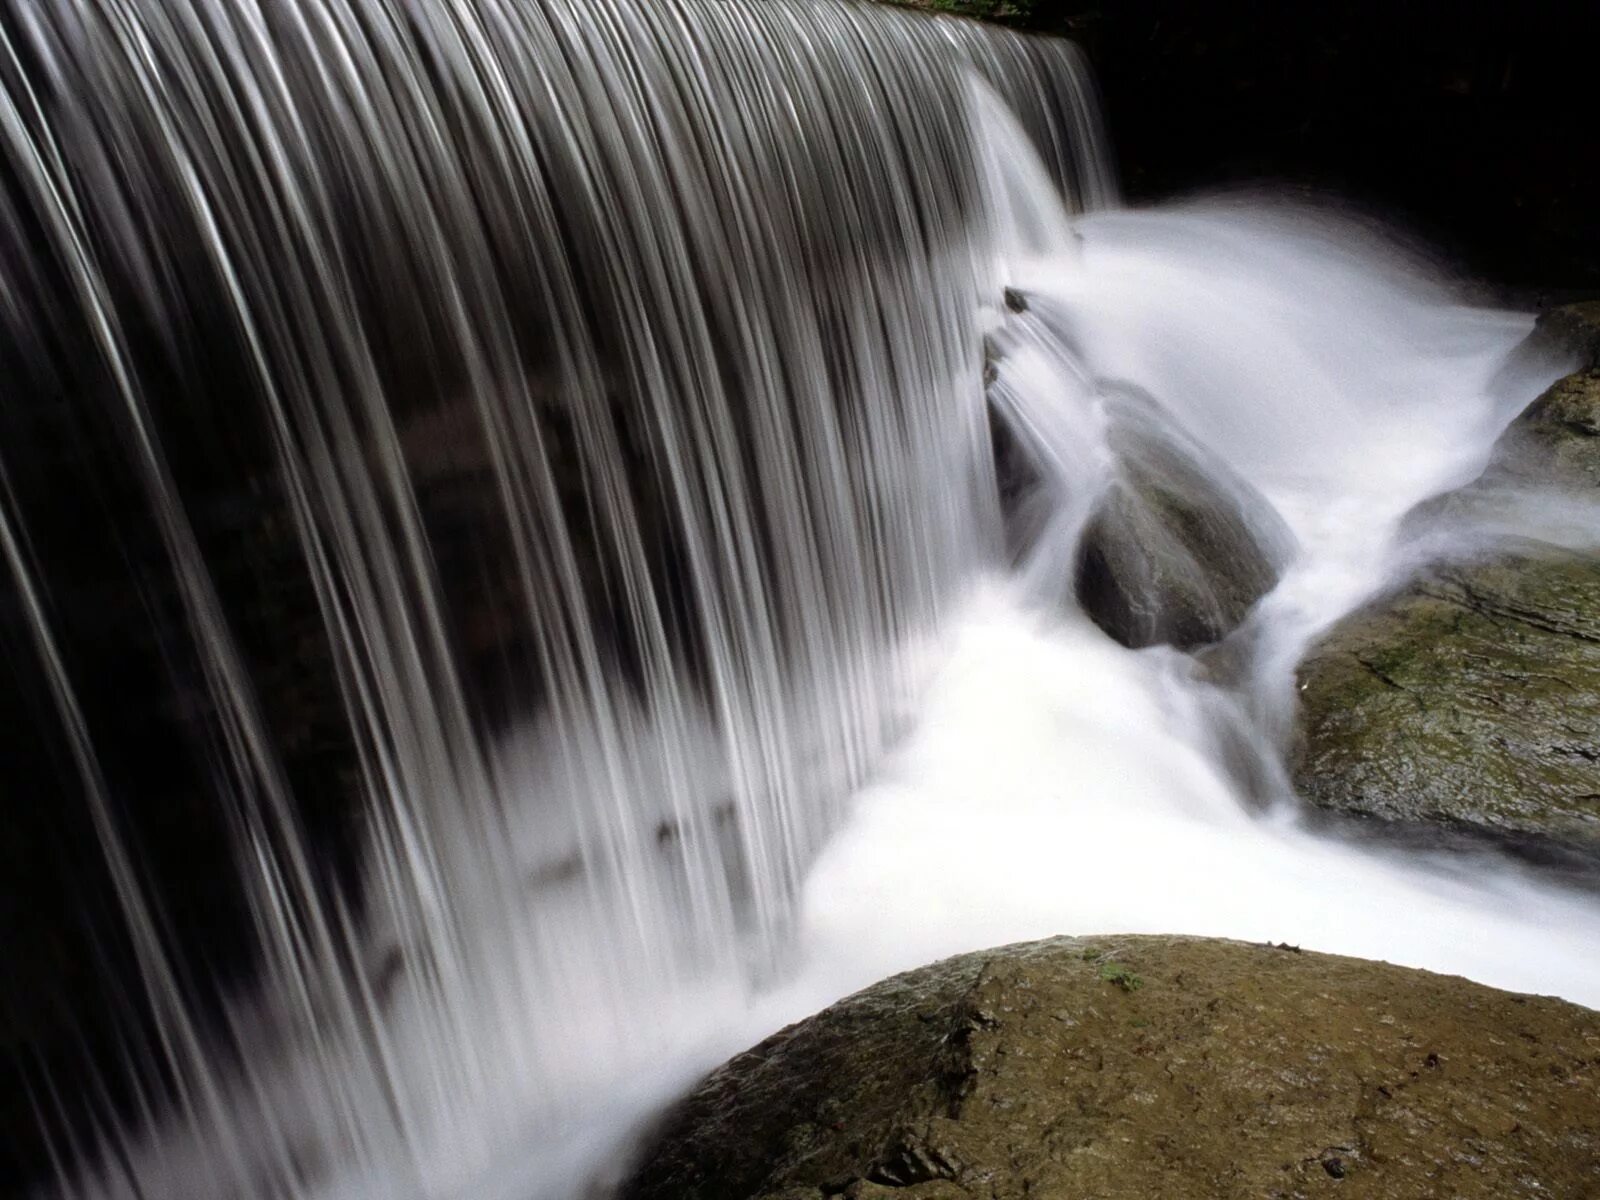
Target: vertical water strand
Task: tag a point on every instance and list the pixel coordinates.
(297, 970)
(382, 649)
(197, 1088)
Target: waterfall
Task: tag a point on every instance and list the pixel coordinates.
(542, 435)
(506, 573)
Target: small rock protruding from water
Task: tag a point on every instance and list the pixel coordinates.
(1180, 546)
(993, 352)
(1016, 300)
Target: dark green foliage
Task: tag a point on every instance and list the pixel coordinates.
(1122, 976)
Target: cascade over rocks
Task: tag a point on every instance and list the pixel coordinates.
(482, 487)
(372, 501)
(1148, 1066)
(1472, 698)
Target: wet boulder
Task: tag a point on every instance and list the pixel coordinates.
(1556, 442)
(1125, 1067)
(1180, 546)
(1471, 699)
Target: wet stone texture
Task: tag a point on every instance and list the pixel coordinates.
(1123, 1067)
(1180, 547)
(1575, 326)
(1471, 699)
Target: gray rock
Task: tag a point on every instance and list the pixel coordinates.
(1556, 442)
(1471, 700)
(1575, 328)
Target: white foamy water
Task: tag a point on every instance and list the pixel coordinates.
(1058, 784)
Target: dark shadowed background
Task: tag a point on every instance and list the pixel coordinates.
(1475, 124)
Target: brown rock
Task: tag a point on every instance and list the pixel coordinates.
(1184, 1068)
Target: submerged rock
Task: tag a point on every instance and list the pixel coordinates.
(1148, 1066)
(1180, 546)
(1472, 698)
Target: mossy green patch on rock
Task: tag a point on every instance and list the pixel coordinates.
(1236, 1070)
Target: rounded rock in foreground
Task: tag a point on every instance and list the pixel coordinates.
(1125, 1067)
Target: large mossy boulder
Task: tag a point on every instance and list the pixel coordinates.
(1471, 699)
(1135, 1067)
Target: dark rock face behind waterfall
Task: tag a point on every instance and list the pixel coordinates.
(1132, 1067)
(1472, 698)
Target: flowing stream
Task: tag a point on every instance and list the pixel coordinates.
(519, 477)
